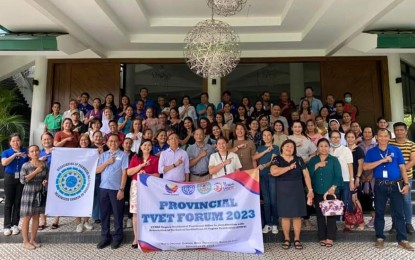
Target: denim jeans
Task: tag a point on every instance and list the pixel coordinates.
(345, 196)
(407, 206)
(382, 194)
(95, 206)
(269, 195)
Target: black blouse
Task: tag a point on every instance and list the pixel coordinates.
(295, 174)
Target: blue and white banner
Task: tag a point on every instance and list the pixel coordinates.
(71, 182)
(220, 214)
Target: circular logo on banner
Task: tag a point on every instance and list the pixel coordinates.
(72, 182)
(204, 187)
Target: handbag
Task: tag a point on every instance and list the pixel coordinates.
(354, 217)
(40, 198)
(366, 198)
(331, 207)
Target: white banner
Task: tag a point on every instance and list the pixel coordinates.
(71, 182)
(221, 214)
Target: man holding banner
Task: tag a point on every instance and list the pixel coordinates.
(112, 165)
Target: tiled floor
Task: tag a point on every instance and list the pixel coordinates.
(68, 224)
(272, 251)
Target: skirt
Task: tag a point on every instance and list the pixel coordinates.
(291, 202)
(133, 197)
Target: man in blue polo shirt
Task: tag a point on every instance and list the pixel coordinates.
(388, 167)
(112, 165)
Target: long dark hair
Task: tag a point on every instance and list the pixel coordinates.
(140, 152)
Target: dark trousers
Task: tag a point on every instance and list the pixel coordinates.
(326, 225)
(13, 192)
(382, 194)
(108, 204)
(127, 196)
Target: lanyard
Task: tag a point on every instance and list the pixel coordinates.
(226, 158)
(383, 156)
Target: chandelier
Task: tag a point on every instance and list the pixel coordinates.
(226, 7)
(212, 49)
(212, 46)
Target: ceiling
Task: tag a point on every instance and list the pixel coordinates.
(157, 28)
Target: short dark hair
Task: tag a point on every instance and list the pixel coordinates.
(204, 93)
(56, 103)
(384, 130)
(85, 93)
(347, 93)
(339, 102)
(227, 92)
(289, 141)
(113, 121)
(398, 124)
(310, 88)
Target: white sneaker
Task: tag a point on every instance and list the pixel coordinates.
(274, 230)
(129, 223)
(15, 230)
(80, 228)
(88, 226)
(7, 232)
(266, 229)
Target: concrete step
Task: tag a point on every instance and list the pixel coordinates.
(93, 237)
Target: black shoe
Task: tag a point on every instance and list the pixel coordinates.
(115, 244)
(409, 229)
(134, 246)
(103, 243)
(98, 221)
(392, 230)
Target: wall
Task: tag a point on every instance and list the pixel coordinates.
(68, 80)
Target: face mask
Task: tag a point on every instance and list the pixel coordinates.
(348, 99)
(335, 146)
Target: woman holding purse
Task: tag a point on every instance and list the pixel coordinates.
(326, 176)
(34, 177)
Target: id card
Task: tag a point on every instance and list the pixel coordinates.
(17, 175)
(385, 174)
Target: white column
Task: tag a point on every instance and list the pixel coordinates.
(296, 81)
(396, 95)
(215, 95)
(38, 100)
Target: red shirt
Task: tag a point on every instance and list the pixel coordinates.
(150, 169)
(61, 135)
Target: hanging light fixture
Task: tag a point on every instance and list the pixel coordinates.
(226, 7)
(212, 49)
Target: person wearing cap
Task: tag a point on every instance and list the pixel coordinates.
(77, 125)
(73, 106)
(334, 124)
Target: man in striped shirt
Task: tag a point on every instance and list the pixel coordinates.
(408, 151)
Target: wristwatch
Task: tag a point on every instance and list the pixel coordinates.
(121, 189)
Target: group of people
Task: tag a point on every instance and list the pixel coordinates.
(304, 154)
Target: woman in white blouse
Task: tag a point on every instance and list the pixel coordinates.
(223, 162)
(187, 110)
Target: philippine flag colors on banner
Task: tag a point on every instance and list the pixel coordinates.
(71, 182)
(221, 214)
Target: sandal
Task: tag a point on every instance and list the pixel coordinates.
(55, 226)
(322, 243)
(42, 227)
(286, 244)
(298, 245)
(329, 244)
